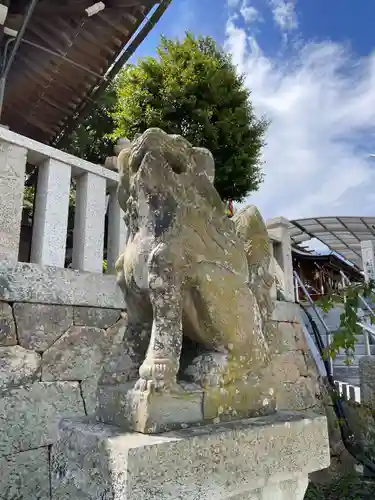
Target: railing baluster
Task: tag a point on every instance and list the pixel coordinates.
(282, 250)
(51, 214)
(88, 236)
(338, 389)
(352, 396)
(345, 392)
(12, 180)
(116, 231)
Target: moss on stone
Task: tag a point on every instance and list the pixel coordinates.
(349, 488)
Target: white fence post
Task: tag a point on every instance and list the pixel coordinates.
(282, 251)
(88, 235)
(117, 231)
(51, 214)
(368, 259)
(12, 180)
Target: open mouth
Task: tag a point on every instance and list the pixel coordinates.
(178, 165)
(165, 151)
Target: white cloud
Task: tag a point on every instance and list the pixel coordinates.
(321, 105)
(284, 14)
(249, 13)
(232, 4)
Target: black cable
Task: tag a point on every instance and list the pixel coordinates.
(352, 446)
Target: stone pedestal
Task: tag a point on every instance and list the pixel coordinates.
(151, 411)
(262, 458)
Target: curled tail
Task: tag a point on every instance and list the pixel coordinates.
(252, 230)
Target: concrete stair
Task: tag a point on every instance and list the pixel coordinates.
(345, 368)
(347, 374)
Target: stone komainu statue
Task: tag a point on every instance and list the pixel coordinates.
(196, 283)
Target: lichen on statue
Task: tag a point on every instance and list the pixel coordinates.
(192, 276)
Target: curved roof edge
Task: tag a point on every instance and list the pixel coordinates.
(342, 235)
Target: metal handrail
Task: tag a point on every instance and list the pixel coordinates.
(366, 328)
(316, 310)
(370, 310)
(353, 447)
(307, 295)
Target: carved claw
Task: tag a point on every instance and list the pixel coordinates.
(144, 385)
(161, 372)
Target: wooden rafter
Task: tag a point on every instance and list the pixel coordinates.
(44, 91)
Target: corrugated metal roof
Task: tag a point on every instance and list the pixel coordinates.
(342, 235)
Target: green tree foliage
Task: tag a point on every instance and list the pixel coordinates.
(192, 89)
(349, 329)
(350, 487)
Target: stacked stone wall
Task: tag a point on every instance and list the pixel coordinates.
(50, 361)
(295, 376)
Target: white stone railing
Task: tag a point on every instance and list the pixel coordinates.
(95, 187)
(348, 392)
(281, 263)
(95, 194)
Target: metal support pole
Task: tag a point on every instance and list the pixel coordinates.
(6, 65)
(369, 309)
(317, 312)
(299, 281)
(64, 58)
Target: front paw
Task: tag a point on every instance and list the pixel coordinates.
(160, 371)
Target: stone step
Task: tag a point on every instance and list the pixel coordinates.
(359, 350)
(351, 381)
(360, 340)
(343, 360)
(346, 373)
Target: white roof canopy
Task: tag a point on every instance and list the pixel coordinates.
(342, 235)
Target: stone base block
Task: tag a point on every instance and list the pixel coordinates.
(29, 415)
(25, 476)
(255, 459)
(152, 412)
(149, 412)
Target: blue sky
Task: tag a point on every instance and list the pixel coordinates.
(310, 67)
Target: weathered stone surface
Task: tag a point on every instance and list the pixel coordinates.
(297, 396)
(34, 412)
(283, 337)
(40, 325)
(292, 489)
(311, 369)
(301, 338)
(288, 367)
(25, 476)
(18, 366)
(80, 353)
(252, 230)
(23, 282)
(367, 379)
(7, 325)
(89, 388)
(122, 365)
(241, 399)
(98, 462)
(12, 178)
(147, 411)
(287, 312)
(95, 316)
(188, 269)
